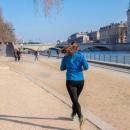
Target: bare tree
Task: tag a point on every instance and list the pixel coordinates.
(6, 30)
(1, 25)
(48, 4)
(8, 34)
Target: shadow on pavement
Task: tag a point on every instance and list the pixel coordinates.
(33, 124)
(58, 118)
(9, 118)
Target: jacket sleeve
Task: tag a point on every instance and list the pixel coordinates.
(85, 63)
(63, 65)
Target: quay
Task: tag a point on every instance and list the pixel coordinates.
(27, 105)
(34, 96)
(102, 46)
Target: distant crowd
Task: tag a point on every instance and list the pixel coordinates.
(18, 53)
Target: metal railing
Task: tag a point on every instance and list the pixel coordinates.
(121, 59)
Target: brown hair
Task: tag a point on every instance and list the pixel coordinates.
(71, 49)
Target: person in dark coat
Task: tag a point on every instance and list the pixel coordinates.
(36, 55)
(19, 54)
(15, 54)
(58, 53)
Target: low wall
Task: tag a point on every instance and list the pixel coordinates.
(111, 47)
(110, 64)
(6, 49)
(3, 49)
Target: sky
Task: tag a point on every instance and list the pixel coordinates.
(30, 24)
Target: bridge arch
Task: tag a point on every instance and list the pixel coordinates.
(102, 48)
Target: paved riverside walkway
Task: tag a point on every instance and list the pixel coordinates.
(26, 106)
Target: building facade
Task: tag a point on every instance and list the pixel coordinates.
(114, 33)
(80, 37)
(128, 22)
(94, 36)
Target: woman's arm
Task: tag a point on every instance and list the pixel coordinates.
(85, 63)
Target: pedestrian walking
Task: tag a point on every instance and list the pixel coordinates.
(36, 53)
(74, 62)
(19, 54)
(15, 54)
(49, 52)
(58, 53)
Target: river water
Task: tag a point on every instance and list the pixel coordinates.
(118, 57)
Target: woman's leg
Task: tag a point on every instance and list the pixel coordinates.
(72, 90)
(79, 85)
(79, 90)
(73, 110)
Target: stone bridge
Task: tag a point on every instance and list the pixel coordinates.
(39, 47)
(8, 48)
(104, 47)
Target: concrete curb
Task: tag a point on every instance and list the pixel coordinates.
(110, 64)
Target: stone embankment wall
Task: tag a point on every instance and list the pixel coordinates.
(101, 46)
(122, 47)
(111, 47)
(6, 49)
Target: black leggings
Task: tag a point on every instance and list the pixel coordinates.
(74, 89)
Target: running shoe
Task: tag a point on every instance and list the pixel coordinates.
(81, 121)
(73, 116)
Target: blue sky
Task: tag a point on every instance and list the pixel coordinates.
(75, 16)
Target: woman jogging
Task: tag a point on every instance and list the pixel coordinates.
(74, 62)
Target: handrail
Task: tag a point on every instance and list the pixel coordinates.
(118, 59)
